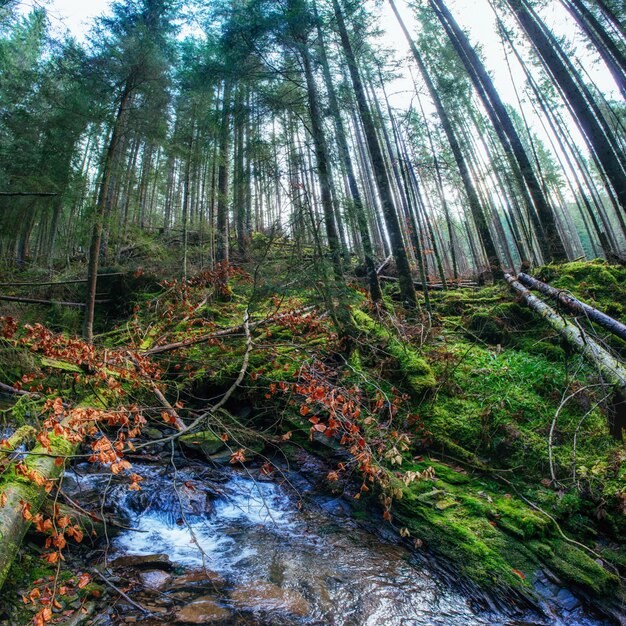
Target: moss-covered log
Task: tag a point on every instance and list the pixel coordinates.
(18, 491)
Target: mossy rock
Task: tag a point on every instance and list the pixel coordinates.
(205, 442)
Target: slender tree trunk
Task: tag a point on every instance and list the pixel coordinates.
(321, 154)
(586, 112)
(222, 184)
(504, 127)
(103, 196)
(405, 280)
(475, 207)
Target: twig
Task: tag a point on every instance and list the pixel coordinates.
(95, 518)
(143, 609)
(564, 401)
(225, 398)
(222, 333)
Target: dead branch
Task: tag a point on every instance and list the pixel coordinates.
(76, 305)
(235, 330)
(61, 282)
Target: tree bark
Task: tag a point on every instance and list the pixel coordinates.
(407, 288)
(575, 305)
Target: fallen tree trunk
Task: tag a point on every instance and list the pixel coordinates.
(61, 282)
(235, 330)
(434, 286)
(575, 305)
(19, 491)
(612, 370)
(47, 302)
(21, 436)
(40, 194)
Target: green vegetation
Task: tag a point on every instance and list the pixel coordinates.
(500, 460)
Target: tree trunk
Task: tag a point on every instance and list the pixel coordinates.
(222, 177)
(407, 289)
(321, 154)
(611, 369)
(103, 197)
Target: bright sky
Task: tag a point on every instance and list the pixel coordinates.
(476, 15)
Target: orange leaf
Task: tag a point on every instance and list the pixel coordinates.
(84, 580)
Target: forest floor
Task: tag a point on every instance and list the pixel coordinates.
(479, 440)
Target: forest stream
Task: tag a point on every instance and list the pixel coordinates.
(228, 546)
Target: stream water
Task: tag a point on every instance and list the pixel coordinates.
(244, 552)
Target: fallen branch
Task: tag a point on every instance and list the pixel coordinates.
(418, 285)
(95, 518)
(104, 579)
(225, 398)
(61, 282)
(77, 305)
(169, 409)
(384, 264)
(235, 330)
(17, 392)
(41, 194)
(575, 305)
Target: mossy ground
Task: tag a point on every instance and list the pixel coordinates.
(484, 382)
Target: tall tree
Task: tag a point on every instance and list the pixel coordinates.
(383, 184)
(501, 120)
(139, 48)
(586, 110)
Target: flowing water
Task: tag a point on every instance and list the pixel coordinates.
(257, 556)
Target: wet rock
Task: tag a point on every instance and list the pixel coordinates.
(264, 596)
(155, 579)
(221, 458)
(198, 578)
(205, 442)
(171, 500)
(146, 561)
(204, 610)
(566, 600)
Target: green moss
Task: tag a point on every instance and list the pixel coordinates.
(413, 370)
(596, 282)
(206, 441)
